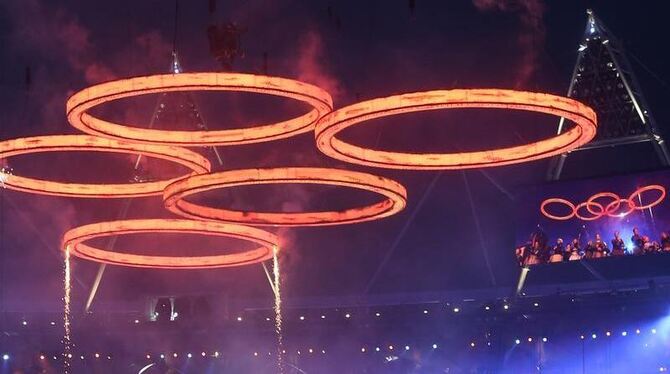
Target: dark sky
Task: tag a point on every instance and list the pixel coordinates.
(356, 50)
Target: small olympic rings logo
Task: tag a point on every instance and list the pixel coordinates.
(593, 208)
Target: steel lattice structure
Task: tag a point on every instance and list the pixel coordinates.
(603, 79)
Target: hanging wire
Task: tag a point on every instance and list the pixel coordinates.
(176, 23)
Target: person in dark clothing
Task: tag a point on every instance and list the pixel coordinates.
(638, 242)
(665, 242)
(558, 252)
(600, 247)
(618, 246)
(590, 250)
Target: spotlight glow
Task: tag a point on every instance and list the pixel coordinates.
(517, 341)
(434, 346)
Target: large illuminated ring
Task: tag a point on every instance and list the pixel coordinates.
(333, 123)
(554, 200)
(81, 102)
(586, 204)
(396, 196)
(612, 206)
(75, 238)
(60, 143)
(639, 192)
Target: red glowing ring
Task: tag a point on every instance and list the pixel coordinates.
(395, 193)
(75, 238)
(333, 123)
(616, 200)
(595, 215)
(555, 200)
(61, 143)
(639, 192)
(80, 103)
(614, 205)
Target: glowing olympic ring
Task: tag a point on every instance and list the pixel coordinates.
(586, 204)
(396, 196)
(59, 143)
(78, 105)
(333, 123)
(614, 205)
(639, 192)
(616, 200)
(75, 238)
(555, 200)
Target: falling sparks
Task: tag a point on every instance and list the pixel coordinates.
(4, 175)
(66, 313)
(278, 319)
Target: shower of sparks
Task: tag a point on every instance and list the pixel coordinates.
(66, 313)
(4, 176)
(278, 319)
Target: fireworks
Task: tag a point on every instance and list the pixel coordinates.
(67, 343)
(275, 270)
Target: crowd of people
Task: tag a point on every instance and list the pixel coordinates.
(538, 250)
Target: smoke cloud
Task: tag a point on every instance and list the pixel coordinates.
(530, 14)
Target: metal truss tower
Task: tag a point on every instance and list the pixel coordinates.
(603, 79)
(175, 110)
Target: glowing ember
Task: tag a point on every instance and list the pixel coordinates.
(275, 270)
(66, 313)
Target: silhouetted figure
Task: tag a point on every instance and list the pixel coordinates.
(558, 251)
(618, 246)
(665, 242)
(638, 242)
(600, 247)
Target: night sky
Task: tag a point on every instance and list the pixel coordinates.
(355, 50)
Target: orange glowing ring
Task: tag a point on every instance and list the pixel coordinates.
(60, 143)
(613, 205)
(75, 238)
(639, 192)
(396, 196)
(595, 216)
(333, 123)
(80, 103)
(555, 200)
